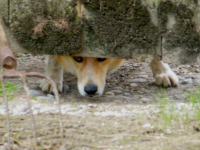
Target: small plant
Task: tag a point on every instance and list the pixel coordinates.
(128, 140)
(166, 108)
(10, 89)
(194, 98)
(34, 97)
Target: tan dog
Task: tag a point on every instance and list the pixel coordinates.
(91, 72)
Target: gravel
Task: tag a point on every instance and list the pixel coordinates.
(125, 90)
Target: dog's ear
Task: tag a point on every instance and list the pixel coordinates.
(158, 57)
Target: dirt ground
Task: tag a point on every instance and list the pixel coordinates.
(129, 89)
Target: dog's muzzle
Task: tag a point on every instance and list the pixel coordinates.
(90, 89)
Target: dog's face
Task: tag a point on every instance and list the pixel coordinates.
(91, 72)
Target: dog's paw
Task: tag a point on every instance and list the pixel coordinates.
(166, 79)
(162, 73)
(46, 86)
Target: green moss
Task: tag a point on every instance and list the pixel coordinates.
(110, 28)
(61, 30)
(184, 32)
(121, 23)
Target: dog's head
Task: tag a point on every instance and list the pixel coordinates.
(91, 72)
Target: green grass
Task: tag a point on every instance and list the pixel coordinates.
(128, 140)
(10, 89)
(194, 99)
(166, 108)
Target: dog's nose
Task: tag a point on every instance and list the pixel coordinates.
(90, 89)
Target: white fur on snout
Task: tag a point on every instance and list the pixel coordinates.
(89, 77)
(81, 89)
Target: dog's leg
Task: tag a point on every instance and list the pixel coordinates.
(162, 72)
(55, 71)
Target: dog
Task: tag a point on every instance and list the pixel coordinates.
(91, 72)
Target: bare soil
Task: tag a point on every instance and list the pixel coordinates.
(144, 130)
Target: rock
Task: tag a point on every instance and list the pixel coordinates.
(144, 76)
(118, 88)
(107, 113)
(92, 105)
(50, 96)
(65, 88)
(45, 98)
(110, 93)
(147, 125)
(140, 80)
(133, 84)
(124, 111)
(35, 112)
(187, 81)
(113, 140)
(145, 100)
(34, 93)
(116, 91)
(127, 94)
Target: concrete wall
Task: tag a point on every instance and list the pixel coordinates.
(106, 28)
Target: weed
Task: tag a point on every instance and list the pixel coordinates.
(10, 89)
(74, 103)
(194, 98)
(108, 129)
(34, 97)
(128, 140)
(166, 108)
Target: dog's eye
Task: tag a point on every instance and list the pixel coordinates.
(101, 59)
(78, 59)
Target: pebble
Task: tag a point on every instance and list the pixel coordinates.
(45, 98)
(92, 105)
(123, 111)
(145, 100)
(187, 81)
(110, 93)
(50, 96)
(65, 88)
(107, 113)
(35, 112)
(127, 94)
(147, 125)
(140, 80)
(133, 84)
(34, 93)
(116, 91)
(118, 88)
(144, 76)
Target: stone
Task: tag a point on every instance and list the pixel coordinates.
(140, 80)
(124, 111)
(65, 88)
(45, 98)
(34, 93)
(35, 112)
(147, 125)
(133, 84)
(144, 76)
(110, 93)
(118, 88)
(116, 91)
(187, 81)
(145, 100)
(127, 94)
(107, 113)
(50, 96)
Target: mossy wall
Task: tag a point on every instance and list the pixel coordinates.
(108, 28)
